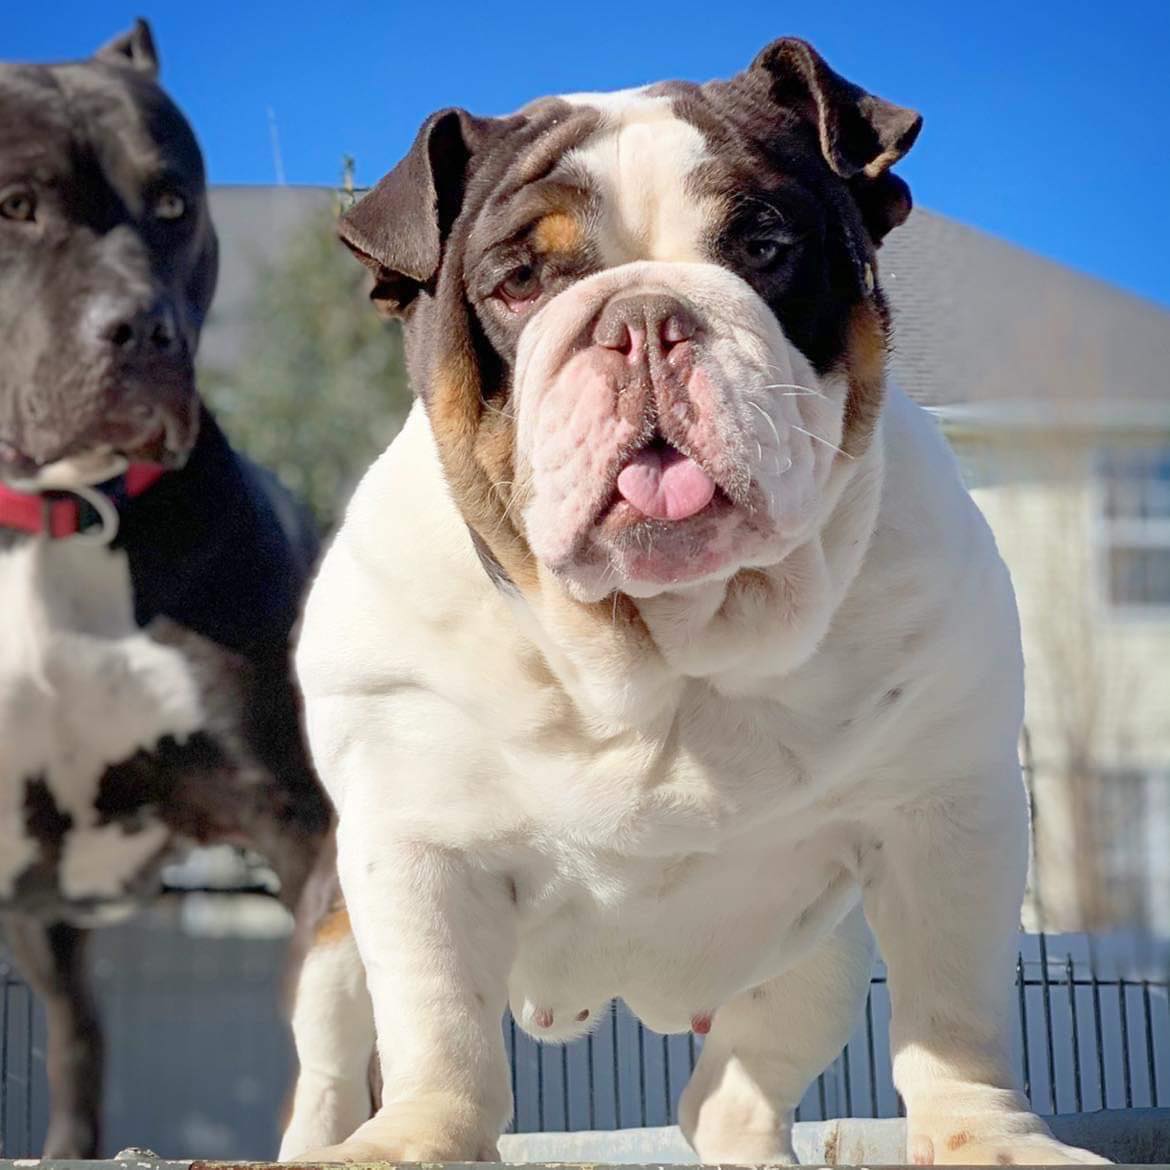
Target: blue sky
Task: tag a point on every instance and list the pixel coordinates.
(1046, 123)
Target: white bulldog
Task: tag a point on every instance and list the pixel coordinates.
(664, 649)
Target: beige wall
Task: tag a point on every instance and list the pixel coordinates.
(1098, 683)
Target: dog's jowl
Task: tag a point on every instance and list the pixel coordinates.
(149, 576)
(663, 655)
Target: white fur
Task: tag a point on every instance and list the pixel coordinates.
(638, 162)
(333, 1022)
(538, 808)
(81, 687)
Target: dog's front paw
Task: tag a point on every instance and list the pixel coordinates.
(992, 1141)
(429, 1129)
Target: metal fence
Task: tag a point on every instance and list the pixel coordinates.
(21, 1064)
(1092, 1031)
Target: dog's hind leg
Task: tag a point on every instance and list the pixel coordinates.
(52, 959)
(332, 1023)
(767, 1045)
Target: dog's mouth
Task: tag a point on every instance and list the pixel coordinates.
(95, 463)
(661, 487)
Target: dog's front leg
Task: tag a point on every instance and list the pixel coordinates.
(52, 959)
(436, 936)
(943, 885)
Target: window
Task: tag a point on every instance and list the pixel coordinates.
(1135, 501)
(1132, 825)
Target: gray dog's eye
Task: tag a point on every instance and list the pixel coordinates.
(18, 205)
(170, 205)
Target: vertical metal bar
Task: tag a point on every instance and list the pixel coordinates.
(1123, 1016)
(848, 1071)
(666, 1074)
(28, 1066)
(1070, 978)
(1049, 1040)
(5, 986)
(540, 1086)
(1151, 1061)
(515, 1062)
(1026, 1056)
(617, 1071)
(870, 1055)
(592, 1102)
(642, 1073)
(1098, 1029)
(691, 1049)
(565, 1084)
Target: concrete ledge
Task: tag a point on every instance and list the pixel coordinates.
(1134, 1136)
(1129, 1137)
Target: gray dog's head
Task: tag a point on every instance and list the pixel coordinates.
(107, 266)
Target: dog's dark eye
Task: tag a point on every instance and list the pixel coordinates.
(19, 205)
(521, 285)
(762, 252)
(170, 206)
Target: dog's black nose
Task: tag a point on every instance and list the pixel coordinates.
(150, 332)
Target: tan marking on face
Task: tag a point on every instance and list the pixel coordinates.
(558, 232)
(865, 367)
(333, 928)
(477, 446)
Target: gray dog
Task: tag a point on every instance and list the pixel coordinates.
(149, 575)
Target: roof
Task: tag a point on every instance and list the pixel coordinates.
(992, 332)
(985, 332)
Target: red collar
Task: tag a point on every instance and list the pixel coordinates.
(58, 515)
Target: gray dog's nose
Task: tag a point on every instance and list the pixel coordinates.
(150, 332)
(636, 323)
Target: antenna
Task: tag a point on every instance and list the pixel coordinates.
(274, 135)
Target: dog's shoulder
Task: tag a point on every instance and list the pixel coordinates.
(220, 548)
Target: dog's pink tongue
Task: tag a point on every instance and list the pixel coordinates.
(665, 484)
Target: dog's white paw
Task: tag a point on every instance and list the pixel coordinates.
(431, 1129)
(976, 1143)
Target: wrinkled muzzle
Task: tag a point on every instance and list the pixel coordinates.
(667, 432)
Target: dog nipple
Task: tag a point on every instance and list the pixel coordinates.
(582, 1015)
(701, 1025)
(543, 1017)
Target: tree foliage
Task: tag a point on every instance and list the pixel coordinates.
(321, 388)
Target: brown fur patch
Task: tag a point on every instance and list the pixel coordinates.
(476, 446)
(558, 232)
(865, 366)
(334, 927)
(958, 1140)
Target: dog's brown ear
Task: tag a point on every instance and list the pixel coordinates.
(398, 230)
(134, 49)
(860, 134)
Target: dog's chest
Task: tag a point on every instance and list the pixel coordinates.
(688, 869)
(82, 691)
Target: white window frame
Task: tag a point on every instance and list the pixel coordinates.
(1111, 532)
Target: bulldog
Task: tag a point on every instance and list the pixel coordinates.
(663, 654)
(149, 576)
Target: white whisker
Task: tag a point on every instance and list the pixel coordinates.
(821, 439)
(767, 419)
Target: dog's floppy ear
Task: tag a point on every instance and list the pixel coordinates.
(134, 49)
(861, 135)
(398, 230)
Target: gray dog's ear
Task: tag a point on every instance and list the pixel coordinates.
(398, 230)
(860, 134)
(132, 50)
